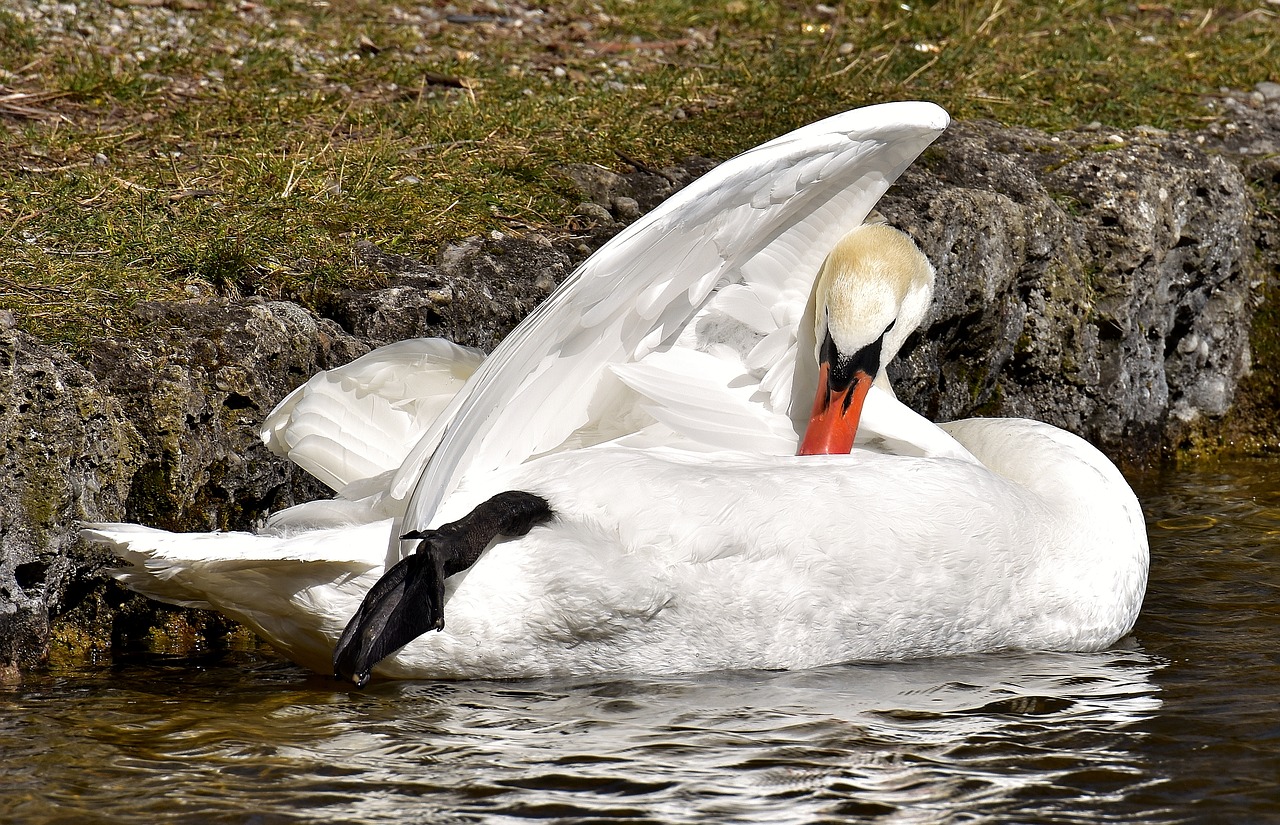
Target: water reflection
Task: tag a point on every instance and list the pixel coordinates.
(1179, 724)
(1212, 612)
(1045, 736)
(920, 742)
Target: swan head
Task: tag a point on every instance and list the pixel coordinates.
(872, 292)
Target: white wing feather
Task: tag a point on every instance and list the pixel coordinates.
(296, 592)
(694, 394)
(765, 220)
(359, 420)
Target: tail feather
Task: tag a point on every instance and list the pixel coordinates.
(297, 592)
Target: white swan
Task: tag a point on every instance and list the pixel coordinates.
(650, 414)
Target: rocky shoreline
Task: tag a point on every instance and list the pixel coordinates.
(1104, 282)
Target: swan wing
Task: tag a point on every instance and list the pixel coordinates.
(763, 220)
(701, 398)
(359, 420)
(892, 427)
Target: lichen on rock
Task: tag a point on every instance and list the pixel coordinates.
(1122, 316)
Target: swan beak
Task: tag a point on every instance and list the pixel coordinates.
(834, 420)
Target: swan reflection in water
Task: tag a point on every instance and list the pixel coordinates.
(1032, 736)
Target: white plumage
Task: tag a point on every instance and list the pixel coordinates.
(655, 400)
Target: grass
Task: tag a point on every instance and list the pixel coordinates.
(208, 147)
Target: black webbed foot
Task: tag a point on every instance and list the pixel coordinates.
(409, 598)
(405, 603)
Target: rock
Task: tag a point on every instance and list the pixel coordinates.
(629, 196)
(160, 430)
(594, 182)
(627, 209)
(196, 389)
(1250, 128)
(69, 454)
(474, 294)
(1270, 91)
(1251, 426)
(593, 211)
(1072, 278)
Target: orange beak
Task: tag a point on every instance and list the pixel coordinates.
(834, 420)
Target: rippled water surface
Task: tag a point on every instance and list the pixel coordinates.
(1181, 723)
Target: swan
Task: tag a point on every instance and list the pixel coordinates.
(688, 458)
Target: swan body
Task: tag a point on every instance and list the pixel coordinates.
(656, 402)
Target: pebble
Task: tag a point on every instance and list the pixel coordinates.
(628, 209)
(1270, 91)
(595, 212)
(442, 296)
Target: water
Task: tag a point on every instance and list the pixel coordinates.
(1180, 723)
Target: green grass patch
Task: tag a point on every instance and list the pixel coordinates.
(211, 147)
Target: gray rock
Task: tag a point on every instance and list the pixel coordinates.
(196, 389)
(627, 209)
(474, 294)
(1270, 91)
(593, 211)
(646, 187)
(594, 182)
(1072, 279)
(69, 453)
(161, 430)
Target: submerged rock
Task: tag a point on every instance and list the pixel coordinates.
(1106, 286)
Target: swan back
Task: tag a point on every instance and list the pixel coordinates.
(784, 562)
(1097, 526)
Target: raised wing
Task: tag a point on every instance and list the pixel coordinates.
(760, 223)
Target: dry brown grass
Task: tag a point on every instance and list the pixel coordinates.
(169, 148)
